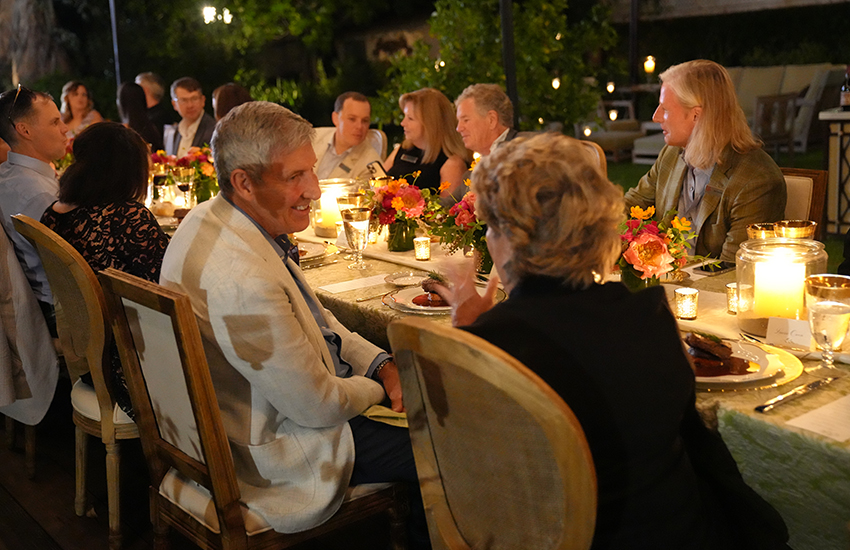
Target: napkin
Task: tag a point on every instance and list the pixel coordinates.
(379, 413)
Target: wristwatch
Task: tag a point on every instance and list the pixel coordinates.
(381, 365)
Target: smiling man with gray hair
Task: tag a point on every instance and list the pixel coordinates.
(485, 117)
(291, 381)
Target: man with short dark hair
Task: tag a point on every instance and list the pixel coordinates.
(31, 124)
(196, 127)
(485, 117)
(291, 380)
(343, 151)
(154, 89)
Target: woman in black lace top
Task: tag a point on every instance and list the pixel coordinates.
(99, 213)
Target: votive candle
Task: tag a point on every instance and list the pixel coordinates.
(732, 298)
(422, 248)
(686, 303)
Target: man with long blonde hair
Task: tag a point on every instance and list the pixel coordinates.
(712, 170)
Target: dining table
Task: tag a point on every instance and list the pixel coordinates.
(797, 456)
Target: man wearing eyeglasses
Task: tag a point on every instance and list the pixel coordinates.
(195, 128)
(32, 126)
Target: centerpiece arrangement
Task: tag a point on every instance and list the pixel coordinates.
(460, 229)
(199, 159)
(400, 206)
(652, 248)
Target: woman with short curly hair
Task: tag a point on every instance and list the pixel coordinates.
(616, 358)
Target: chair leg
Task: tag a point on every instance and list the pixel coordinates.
(81, 459)
(399, 515)
(29, 450)
(113, 459)
(160, 528)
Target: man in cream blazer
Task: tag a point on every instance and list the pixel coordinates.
(290, 379)
(343, 151)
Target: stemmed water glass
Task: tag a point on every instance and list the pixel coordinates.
(348, 201)
(828, 303)
(356, 223)
(185, 179)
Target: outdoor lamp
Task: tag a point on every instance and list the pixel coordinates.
(610, 87)
(649, 65)
(612, 114)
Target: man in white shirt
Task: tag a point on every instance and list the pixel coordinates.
(195, 128)
(31, 124)
(343, 151)
(485, 117)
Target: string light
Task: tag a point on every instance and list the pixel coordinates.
(556, 82)
(610, 87)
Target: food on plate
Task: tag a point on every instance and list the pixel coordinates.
(164, 209)
(301, 252)
(712, 357)
(429, 299)
(433, 280)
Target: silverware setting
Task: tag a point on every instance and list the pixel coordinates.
(794, 393)
(319, 264)
(372, 297)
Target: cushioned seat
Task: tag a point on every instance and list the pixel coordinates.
(84, 401)
(645, 150)
(195, 500)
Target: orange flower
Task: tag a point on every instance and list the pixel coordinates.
(393, 186)
(445, 185)
(639, 213)
(682, 224)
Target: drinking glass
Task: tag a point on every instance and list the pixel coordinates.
(347, 202)
(356, 223)
(828, 302)
(185, 179)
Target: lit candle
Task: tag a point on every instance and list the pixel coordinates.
(779, 288)
(732, 298)
(422, 248)
(686, 303)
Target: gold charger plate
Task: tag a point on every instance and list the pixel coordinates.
(785, 367)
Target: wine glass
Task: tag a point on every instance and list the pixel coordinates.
(185, 179)
(356, 223)
(828, 303)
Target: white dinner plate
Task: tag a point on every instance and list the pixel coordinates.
(310, 251)
(406, 278)
(775, 367)
(402, 300)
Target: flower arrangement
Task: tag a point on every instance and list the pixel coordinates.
(199, 158)
(460, 228)
(67, 160)
(401, 205)
(652, 248)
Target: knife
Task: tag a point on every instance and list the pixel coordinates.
(794, 393)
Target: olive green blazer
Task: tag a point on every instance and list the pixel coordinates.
(743, 189)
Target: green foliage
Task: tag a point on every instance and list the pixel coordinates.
(470, 51)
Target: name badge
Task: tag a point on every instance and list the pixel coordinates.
(345, 168)
(409, 158)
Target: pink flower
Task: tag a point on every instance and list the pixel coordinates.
(631, 227)
(413, 203)
(648, 254)
(386, 217)
(465, 219)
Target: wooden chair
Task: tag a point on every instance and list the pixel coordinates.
(773, 121)
(502, 460)
(83, 327)
(806, 196)
(193, 481)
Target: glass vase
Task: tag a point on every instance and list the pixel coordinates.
(400, 235)
(483, 260)
(633, 282)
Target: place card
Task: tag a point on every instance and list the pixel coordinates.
(831, 420)
(789, 333)
(344, 286)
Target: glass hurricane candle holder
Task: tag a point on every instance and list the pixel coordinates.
(422, 248)
(771, 276)
(324, 212)
(687, 300)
